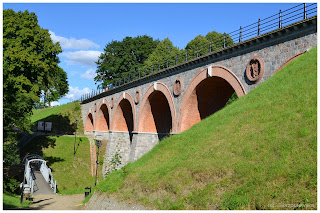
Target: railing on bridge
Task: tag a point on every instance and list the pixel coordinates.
(28, 184)
(261, 26)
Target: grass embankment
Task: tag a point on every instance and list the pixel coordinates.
(63, 118)
(260, 152)
(73, 174)
(11, 201)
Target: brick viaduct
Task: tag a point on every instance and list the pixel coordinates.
(133, 118)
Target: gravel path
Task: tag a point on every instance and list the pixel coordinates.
(105, 202)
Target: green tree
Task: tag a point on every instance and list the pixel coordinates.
(58, 88)
(30, 63)
(123, 58)
(217, 40)
(197, 47)
(165, 53)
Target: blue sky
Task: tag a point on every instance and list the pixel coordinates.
(84, 29)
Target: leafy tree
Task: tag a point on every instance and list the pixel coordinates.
(30, 63)
(165, 53)
(123, 58)
(217, 40)
(197, 47)
(58, 88)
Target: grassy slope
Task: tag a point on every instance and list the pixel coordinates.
(259, 152)
(63, 117)
(13, 202)
(73, 174)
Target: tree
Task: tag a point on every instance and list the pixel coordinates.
(197, 47)
(58, 88)
(165, 53)
(30, 63)
(217, 40)
(123, 58)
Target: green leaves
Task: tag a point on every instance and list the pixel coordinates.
(121, 58)
(30, 64)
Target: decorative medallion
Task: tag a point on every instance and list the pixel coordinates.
(255, 69)
(137, 97)
(177, 87)
(95, 107)
(112, 103)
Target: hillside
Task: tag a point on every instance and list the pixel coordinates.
(62, 117)
(260, 152)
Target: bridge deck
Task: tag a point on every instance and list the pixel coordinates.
(41, 186)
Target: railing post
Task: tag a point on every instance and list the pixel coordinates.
(152, 69)
(176, 59)
(159, 65)
(197, 50)
(259, 27)
(304, 11)
(210, 47)
(240, 35)
(280, 24)
(186, 55)
(167, 62)
(224, 40)
(139, 72)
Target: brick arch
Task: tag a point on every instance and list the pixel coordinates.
(157, 112)
(89, 123)
(102, 119)
(123, 118)
(207, 93)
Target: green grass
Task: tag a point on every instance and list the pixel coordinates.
(11, 201)
(260, 152)
(62, 117)
(73, 174)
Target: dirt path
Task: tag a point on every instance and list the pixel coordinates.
(57, 202)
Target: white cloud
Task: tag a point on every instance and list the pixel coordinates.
(55, 103)
(82, 57)
(89, 74)
(72, 43)
(76, 93)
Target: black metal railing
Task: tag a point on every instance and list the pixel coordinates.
(283, 18)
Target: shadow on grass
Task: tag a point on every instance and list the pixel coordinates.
(37, 145)
(76, 149)
(61, 124)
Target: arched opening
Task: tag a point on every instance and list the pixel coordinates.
(207, 98)
(123, 117)
(208, 92)
(156, 114)
(89, 123)
(102, 118)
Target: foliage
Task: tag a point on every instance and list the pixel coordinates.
(115, 162)
(233, 98)
(217, 40)
(164, 51)
(197, 47)
(256, 153)
(30, 64)
(121, 58)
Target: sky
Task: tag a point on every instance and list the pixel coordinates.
(84, 29)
